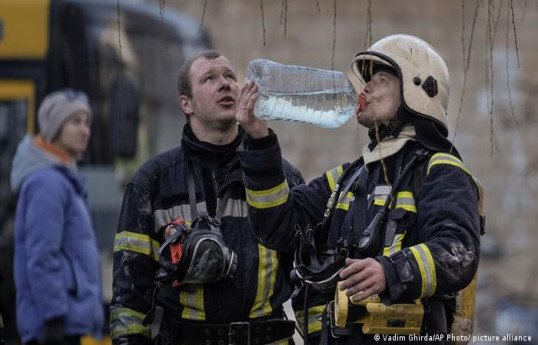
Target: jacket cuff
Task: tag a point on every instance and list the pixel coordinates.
(261, 143)
(394, 290)
(261, 161)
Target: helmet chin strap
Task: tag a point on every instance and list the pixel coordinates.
(390, 129)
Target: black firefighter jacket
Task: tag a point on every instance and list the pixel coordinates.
(434, 249)
(156, 195)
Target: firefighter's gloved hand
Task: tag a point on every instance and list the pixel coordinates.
(53, 332)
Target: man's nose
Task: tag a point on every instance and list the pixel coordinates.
(367, 89)
(224, 83)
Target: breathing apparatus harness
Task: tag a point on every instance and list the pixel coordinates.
(195, 254)
(320, 265)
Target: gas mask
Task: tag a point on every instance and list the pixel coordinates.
(196, 254)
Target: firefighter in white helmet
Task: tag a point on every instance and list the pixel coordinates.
(402, 222)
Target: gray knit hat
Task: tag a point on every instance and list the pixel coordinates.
(57, 107)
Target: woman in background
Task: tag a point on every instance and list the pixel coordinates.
(57, 266)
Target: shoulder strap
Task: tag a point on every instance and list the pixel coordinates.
(349, 183)
(192, 192)
(337, 193)
(358, 207)
(415, 179)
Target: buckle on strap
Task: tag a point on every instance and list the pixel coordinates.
(238, 332)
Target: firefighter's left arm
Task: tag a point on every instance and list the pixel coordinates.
(445, 258)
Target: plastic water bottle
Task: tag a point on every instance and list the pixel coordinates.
(302, 94)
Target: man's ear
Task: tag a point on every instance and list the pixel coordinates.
(185, 104)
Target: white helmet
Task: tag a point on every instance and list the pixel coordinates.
(423, 74)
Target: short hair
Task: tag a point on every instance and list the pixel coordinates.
(184, 86)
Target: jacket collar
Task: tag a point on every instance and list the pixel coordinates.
(389, 146)
(208, 154)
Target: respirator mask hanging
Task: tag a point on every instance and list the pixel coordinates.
(196, 254)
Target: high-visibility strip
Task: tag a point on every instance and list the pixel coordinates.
(267, 267)
(191, 298)
(234, 208)
(445, 158)
(314, 318)
(137, 243)
(406, 201)
(395, 246)
(379, 200)
(125, 321)
(346, 200)
(426, 266)
(270, 197)
(333, 175)
(165, 216)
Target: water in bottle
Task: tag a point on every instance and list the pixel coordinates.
(302, 94)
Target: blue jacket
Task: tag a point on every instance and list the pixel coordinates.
(57, 265)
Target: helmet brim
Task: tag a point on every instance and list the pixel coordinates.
(367, 63)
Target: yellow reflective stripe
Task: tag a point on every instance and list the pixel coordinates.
(344, 203)
(445, 158)
(191, 298)
(395, 246)
(137, 243)
(314, 318)
(333, 175)
(406, 201)
(426, 266)
(270, 197)
(267, 267)
(125, 321)
(380, 200)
